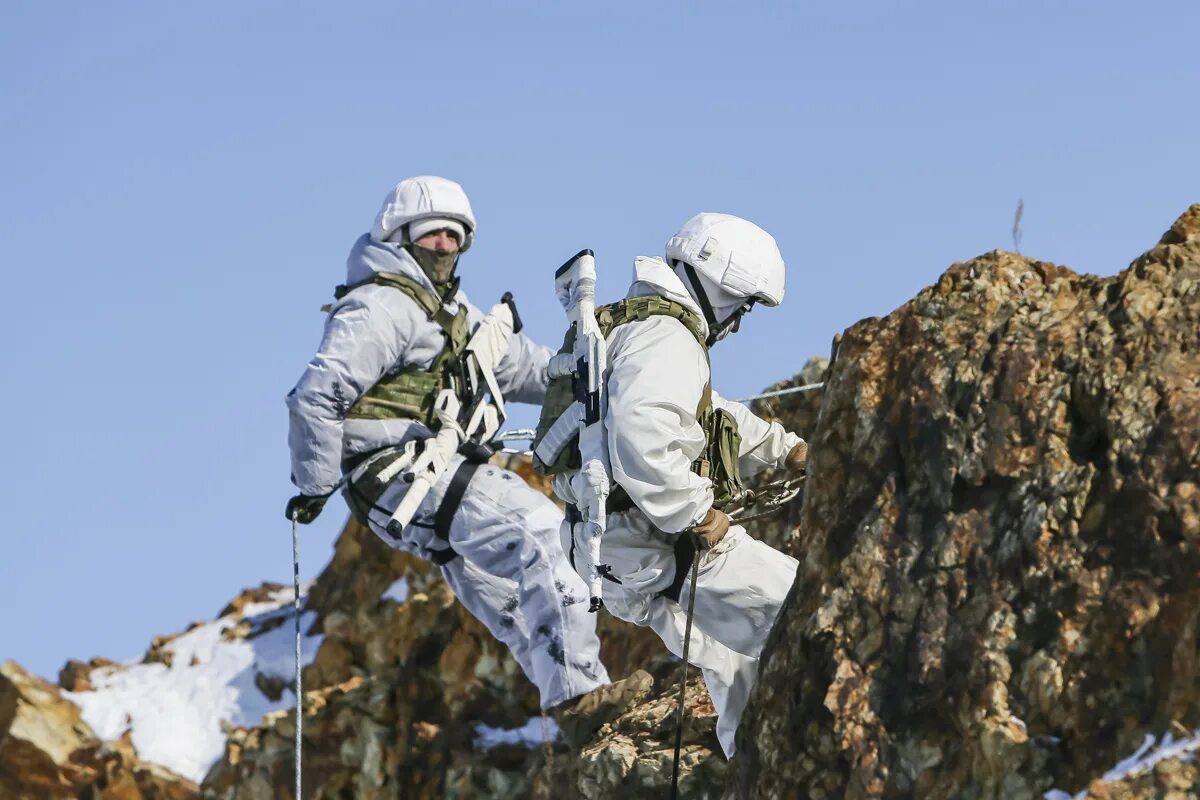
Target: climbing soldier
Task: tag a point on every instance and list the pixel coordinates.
(393, 341)
(677, 452)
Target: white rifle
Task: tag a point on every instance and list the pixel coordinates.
(575, 287)
(476, 422)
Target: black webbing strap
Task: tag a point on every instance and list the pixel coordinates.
(443, 557)
(685, 554)
(573, 517)
(450, 503)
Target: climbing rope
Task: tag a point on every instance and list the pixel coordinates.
(808, 387)
(687, 641)
(296, 603)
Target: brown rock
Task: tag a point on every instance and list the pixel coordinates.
(74, 676)
(47, 751)
(999, 590)
(39, 732)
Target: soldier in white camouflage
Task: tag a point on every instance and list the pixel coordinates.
(392, 341)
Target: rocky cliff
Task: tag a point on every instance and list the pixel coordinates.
(998, 595)
(999, 590)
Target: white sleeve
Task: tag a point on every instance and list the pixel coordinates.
(363, 340)
(521, 374)
(764, 444)
(657, 375)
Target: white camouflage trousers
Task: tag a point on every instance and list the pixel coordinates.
(511, 574)
(739, 590)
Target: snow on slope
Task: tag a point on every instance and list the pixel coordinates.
(178, 714)
(1142, 761)
(535, 732)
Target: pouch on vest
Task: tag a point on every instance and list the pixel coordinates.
(409, 393)
(719, 461)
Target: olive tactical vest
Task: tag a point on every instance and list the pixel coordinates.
(409, 393)
(718, 461)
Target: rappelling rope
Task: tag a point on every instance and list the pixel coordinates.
(527, 434)
(687, 641)
(296, 602)
(808, 387)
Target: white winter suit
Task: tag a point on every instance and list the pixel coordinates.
(511, 574)
(657, 373)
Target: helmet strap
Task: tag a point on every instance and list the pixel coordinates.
(715, 330)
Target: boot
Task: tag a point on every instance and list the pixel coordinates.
(579, 718)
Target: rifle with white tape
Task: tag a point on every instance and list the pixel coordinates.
(575, 287)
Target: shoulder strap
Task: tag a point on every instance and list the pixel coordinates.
(651, 305)
(422, 296)
(453, 325)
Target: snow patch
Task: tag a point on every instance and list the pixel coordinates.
(178, 715)
(1141, 762)
(534, 733)
(398, 591)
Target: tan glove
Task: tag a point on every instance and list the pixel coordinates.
(712, 528)
(797, 458)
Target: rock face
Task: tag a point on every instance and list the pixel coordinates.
(798, 411)
(47, 751)
(999, 591)
(998, 594)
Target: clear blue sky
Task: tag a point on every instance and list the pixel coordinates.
(180, 183)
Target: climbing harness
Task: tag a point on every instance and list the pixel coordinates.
(468, 416)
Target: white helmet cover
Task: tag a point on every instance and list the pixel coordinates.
(422, 197)
(735, 254)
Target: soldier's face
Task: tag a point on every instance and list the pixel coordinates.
(442, 241)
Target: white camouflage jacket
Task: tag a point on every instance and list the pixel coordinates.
(372, 331)
(656, 374)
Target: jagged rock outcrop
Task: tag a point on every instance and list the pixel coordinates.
(999, 591)
(998, 594)
(47, 751)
